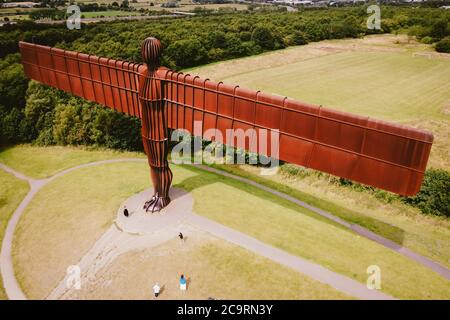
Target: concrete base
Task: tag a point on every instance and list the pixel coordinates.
(140, 222)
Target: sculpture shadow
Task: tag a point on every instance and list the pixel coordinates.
(394, 235)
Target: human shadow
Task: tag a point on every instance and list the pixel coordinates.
(161, 290)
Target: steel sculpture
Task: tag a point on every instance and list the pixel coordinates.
(385, 155)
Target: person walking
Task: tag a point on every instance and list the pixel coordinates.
(181, 236)
(156, 290)
(125, 212)
(183, 283)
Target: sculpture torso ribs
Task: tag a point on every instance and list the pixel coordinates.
(155, 135)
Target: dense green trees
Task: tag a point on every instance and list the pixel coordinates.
(50, 13)
(13, 83)
(187, 52)
(46, 115)
(443, 45)
(439, 29)
(434, 195)
(263, 37)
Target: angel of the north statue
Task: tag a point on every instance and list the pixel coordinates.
(377, 153)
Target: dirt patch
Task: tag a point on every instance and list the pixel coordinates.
(446, 108)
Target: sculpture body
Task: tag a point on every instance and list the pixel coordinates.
(155, 132)
(386, 155)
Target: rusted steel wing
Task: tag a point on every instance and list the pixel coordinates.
(386, 155)
(377, 153)
(109, 82)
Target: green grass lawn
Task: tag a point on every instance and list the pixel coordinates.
(426, 234)
(215, 268)
(298, 231)
(65, 219)
(183, 5)
(12, 191)
(392, 86)
(385, 81)
(69, 214)
(39, 162)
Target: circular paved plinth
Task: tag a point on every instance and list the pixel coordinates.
(141, 222)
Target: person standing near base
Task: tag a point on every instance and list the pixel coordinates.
(156, 290)
(183, 283)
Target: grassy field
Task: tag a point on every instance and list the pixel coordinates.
(426, 234)
(386, 77)
(85, 213)
(213, 267)
(43, 249)
(65, 219)
(38, 162)
(12, 191)
(284, 225)
(393, 81)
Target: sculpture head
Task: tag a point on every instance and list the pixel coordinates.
(151, 52)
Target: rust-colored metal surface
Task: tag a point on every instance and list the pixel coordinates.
(377, 153)
(155, 133)
(109, 82)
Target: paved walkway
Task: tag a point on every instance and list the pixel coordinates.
(313, 270)
(12, 288)
(162, 227)
(443, 271)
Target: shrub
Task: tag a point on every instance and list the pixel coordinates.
(443, 45)
(434, 195)
(187, 53)
(439, 29)
(427, 40)
(263, 37)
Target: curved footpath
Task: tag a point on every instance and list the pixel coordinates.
(315, 271)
